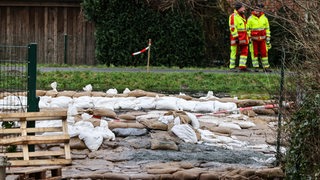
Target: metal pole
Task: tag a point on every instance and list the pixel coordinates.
(33, 101)
(279, 156)
(65, 48)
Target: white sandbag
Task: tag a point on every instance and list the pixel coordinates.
(225, 139)
(167, 103)
(45, 101)
(229, 125)
(185, 132)
(72, 110)
(210, 119)
(113, 91)
(194, 120)
(83, 125)
(87, 133)
(106, 133)
(87, 88)
(221, 106)
(244, 124)
(126, 103)
(121, 101)
(72, 131)
(145, 102)
(177, 121)
(104, 123)
(70, 120)
(92, 138)
(49, 123)
(206, 106)
(86, 116)
(15, 100)
(60, 102)
(83, 102)
(166, 119)
(103, 103)
(208, 136)
(184, 105)
(126, 91)
(209, 96)
(54, 86)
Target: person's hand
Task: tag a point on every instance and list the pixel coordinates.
(268, 40)
(250, 40)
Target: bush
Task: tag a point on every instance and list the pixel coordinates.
(302, 161)
(124, 27)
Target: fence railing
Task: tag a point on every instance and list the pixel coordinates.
(18, 78)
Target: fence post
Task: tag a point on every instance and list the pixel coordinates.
(148, 63)
(65, 48)
(278, 154)
(33, 101)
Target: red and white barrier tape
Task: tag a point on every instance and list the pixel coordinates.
(143, 50)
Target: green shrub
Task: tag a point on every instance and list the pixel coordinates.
(124, 27)
(302, 160)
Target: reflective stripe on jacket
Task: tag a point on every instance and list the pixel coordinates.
(237, 25)
(258, 27)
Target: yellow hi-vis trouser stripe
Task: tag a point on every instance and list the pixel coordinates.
(243, 61)
(265, 62)
(255, 61)
(233, 56)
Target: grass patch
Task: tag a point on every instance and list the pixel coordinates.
(189, 82)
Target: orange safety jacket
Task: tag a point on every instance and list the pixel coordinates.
(258, 27)
(237, 25)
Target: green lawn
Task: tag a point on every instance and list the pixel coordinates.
(238, 84)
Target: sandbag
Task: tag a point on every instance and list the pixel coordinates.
(104, 113)
(66, 93)
(185, 132)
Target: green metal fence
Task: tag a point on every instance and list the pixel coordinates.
(18, 78)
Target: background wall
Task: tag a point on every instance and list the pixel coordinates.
(46, 23)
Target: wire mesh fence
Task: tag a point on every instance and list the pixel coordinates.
(13, 78)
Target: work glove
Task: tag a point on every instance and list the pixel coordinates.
(268, 43)
(269, 46)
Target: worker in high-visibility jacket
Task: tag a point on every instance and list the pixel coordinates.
(238, 37)
(259, 35)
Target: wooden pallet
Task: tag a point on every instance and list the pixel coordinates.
(23, 136)
(36, 173)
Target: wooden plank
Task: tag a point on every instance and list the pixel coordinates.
(66, 145)
(34, 118)
(40, 162)
(35, 140)
(30, 130)
(34, 114)
(29, 170)
(25, 148)
(35, 154)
